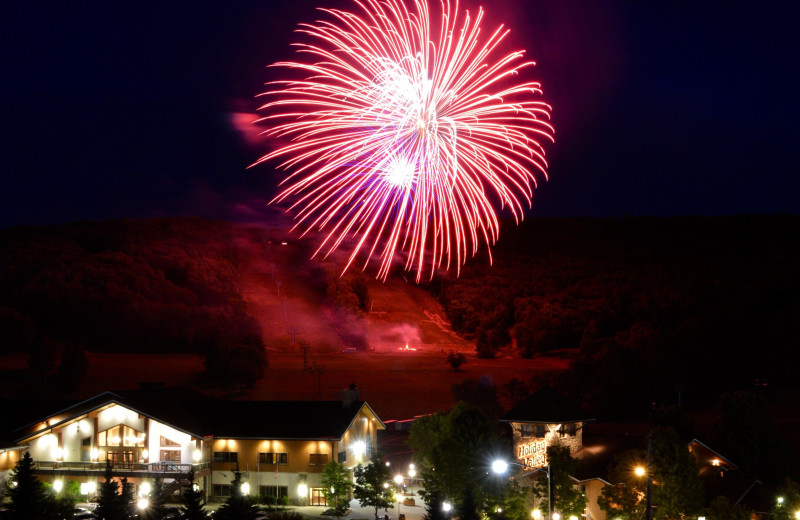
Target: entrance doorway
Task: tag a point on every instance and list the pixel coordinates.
(317, 497)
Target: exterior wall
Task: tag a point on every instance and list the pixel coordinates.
(154, 448)
(298, 469)
(9, 458)
(593, 489)
(364, 429)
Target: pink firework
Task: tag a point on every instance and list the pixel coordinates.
(405, 137)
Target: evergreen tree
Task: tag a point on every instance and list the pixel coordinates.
(156, 509)
(370, 490)
(238, 506)
(29, 498)
(192, 501)
(109, 503)
(336, 486)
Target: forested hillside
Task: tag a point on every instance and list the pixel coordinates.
(663, 306)
(161, 285)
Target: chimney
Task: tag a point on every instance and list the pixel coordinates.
(350, 396)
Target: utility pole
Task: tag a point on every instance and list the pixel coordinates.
(320, 369)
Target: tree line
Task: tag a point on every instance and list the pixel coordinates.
(649, 303)
(158, 285)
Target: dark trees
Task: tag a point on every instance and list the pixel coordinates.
(370, 490)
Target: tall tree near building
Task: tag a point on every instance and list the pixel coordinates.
(29, 498)
(157, 509)
(238, 506)
(336, 486)
(192, 501)
(109, 503)
(567, 500)
(625, 497)
(434, 502)
(677, 488)
(448, 447)
(369, 489)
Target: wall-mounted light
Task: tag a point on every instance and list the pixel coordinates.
(302, 490)
(359, 448)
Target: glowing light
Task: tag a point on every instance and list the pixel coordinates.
(447, 507)
(94, 453)
(406, 134)
(536, 514)
(639, 471)
(145, 454)
(302, 490)
(499, 466)
(359, 448)
(88, 488)
(58, 485)
(398, 479)
(196, 455)
(245, 488)
(143, 503)
(412, 473)
(145, 489)
(556, 516)
(715, 462)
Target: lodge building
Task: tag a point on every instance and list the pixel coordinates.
(279, 447)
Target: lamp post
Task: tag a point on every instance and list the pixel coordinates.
(500, 466)
(649, 502)
(398, 479)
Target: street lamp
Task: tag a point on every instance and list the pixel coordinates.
(447, 507)
(398, 479)
(501, 466)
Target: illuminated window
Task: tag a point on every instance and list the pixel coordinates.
(167, 442)
(121, 435)
(317, 459)
(170, 456)
(273, 458)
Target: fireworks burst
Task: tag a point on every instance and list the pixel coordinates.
(403, 135)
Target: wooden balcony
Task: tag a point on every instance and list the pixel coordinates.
(121, 469)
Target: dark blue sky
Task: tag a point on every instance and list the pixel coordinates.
(124, 109)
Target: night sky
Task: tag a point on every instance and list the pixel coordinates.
(136, 109)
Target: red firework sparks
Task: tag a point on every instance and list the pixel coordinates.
(405, 136)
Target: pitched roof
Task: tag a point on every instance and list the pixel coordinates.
(546, 405)
(197, 415)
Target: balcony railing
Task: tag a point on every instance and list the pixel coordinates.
(139, 467)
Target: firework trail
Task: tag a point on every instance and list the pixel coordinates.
(403, 135)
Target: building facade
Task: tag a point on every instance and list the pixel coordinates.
(279, 447)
